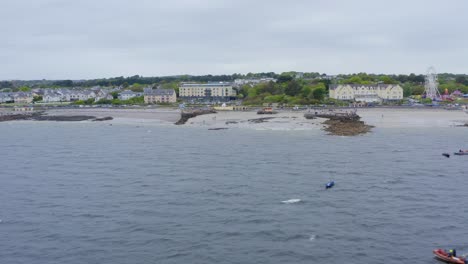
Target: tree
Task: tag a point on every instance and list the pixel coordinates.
(418, 90)
(138, 88)
(6, 84)
(319, 93)
(115, 95)
(306, 90)
(284, 77)
(354, 80)
(461, 80)
(416, 78)
(407, 89)
(37, 98)
(24, 89)
(104, 101)
(387, 80)
(426, 101)
(293, 88)
(64, 83)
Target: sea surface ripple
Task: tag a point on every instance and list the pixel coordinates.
(92, 193)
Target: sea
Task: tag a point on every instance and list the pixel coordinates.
(89, 192)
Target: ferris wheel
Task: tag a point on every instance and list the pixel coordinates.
(431, 84)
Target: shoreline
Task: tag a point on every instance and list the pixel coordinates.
(283, 120)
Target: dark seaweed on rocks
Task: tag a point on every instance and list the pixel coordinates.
(39, 116)
(342, 124)
(185, 116)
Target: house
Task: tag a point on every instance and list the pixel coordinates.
(6, 98)
(23, 97)
(239, 82)
(366, 92)
(73, 94)
(86, 94)
(65, 95)
(160, 96)
(102, 94)
(127, 94)
(51, 97)
(207, 91)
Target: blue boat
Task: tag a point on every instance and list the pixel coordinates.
(329, 185)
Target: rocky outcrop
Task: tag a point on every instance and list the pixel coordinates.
(107, 118)
(259, 120)
(341, 123)
(266, 112)
(346, 127)
(185, 116)
(62, 118)
(4, 118)
(39, 116)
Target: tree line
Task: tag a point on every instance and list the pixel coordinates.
(290, 87)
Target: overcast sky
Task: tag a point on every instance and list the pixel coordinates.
(83, 39)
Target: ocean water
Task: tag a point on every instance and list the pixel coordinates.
(93, 193)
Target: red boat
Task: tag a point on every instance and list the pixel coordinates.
(444, 256)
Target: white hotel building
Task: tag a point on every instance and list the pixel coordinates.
(366, 92)
(207, 91)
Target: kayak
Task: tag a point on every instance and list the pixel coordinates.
(442, 255)
(329, 185)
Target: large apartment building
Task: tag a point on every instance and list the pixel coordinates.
(160, 96)
(366, 92)
(207, 91)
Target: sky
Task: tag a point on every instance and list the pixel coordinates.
(87, 39)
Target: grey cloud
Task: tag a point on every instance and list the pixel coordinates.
(58, 39)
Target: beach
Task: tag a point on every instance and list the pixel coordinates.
(294, 120)
(283, 120)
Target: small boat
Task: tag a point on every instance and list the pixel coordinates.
(461, 153)
(446, 155)
(329, 185)
(444, 256)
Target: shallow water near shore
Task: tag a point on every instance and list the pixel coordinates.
(92, 193)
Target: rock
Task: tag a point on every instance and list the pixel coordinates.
(63, 118)
(259, 120)
(103, 118)
(39, 116)
(266, 112)
(341, 123)
(185, 116)
(346, 127)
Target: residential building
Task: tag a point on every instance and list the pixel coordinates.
(23, 98)
(74, 95)
(239, 82)
(160, 96)
(51, 97)
(366, 92)
(127, 94)
(207, 91)
(6, 98)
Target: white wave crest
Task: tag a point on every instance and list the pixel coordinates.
(291, 201)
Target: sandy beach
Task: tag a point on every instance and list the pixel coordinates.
(294, 120)
(130, 116)
(283, 120)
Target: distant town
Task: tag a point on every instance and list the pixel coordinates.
(289, 89)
